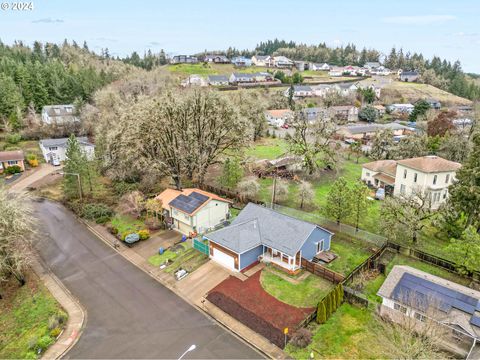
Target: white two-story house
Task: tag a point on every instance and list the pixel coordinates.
(191, 211)
(55, 149)
(426, 174)
(59, 114)
(430, 174)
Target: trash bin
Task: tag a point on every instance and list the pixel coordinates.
(184, 238)
(161, 250)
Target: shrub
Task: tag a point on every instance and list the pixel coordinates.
(122, 187)
(30, 355)
(55, 332)
(144, 234)
(301, 338)
(112, 229)
(13, 138)
(321, 313)
(14, 169)
(62, 317)
(97, 212)
(53, 322)
(153, 224)
(33, 163)
(43, 343)
(124, 234)
(32, 342)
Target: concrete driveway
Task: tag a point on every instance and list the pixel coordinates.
(129, 314)
(38, 174)
(202, 280)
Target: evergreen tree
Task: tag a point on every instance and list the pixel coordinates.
(466, 250)
(232, 173)
(321, 313)
(465, 191)
(420, 109)
(359, 194)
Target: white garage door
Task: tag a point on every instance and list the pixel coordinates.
(224, 259)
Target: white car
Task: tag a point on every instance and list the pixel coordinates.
(55, 162)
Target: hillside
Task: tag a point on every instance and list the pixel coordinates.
(411, 92)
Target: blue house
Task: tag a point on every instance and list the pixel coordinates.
(259, 233)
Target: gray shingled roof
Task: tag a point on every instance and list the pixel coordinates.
(302, 88)
(63, 142)
(217, 78)
(257, 225)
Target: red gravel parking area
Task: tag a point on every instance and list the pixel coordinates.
(247, 302)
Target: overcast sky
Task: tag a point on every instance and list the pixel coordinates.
(450, 29)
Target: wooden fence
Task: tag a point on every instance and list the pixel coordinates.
(355, 297)
(322, 271)
(221, 191)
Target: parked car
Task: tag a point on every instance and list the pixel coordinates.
(350, 141)
(55, 162)
(380, 194)
(285, 126)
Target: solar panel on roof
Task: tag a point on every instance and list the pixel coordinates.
(418, 292)
(199, 196)
(475, 320)
(189, 203)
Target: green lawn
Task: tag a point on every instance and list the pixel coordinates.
(350, 252)
(24, 320)
(127, 224)
(307, 293)
(268, 148)
(211, 69)
(350, 333)
(157, 259)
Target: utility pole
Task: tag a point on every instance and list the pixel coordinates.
(79, 181)
(274, 189)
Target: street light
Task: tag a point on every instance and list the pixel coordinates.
(191, 348)
(78, 179)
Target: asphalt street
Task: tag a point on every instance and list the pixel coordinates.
(129, 314)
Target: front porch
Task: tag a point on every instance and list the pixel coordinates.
(286, 262)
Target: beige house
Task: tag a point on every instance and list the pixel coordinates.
(433, 306)
(426, 174)
(193, 211)
(279, 117)
(11, 158)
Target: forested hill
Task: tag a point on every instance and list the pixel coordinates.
(50, 74)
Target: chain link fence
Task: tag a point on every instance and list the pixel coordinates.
(318, 219)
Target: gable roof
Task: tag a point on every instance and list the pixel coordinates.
(14, 155)
(384, 166)
(409, 73)
(302, 88)
(218, 78)
(62, 142)
(169, 195)
(257, 225)
(279, 113)
(430, 164)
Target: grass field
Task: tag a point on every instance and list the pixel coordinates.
(268, 148)
(306, 293)
(24, 319)
(350, 252)
(211, 69)
(126, 224)
(350, 333)
(412, 92)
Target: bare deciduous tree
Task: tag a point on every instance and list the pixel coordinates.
(305, 194)
(16, 229)
(132, 203)
(407, 213)
(249, 187)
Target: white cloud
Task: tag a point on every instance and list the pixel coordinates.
(418, 19)
(464, 34)
(47, 21)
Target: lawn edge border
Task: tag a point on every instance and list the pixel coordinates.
(171, 288)
(77, 315)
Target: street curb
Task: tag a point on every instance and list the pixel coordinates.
(72, 333)
(168, 286)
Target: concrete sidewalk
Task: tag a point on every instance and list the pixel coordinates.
(196, 297)
(76, 314)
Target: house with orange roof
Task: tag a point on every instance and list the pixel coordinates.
(279, 117)
(192, 210)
